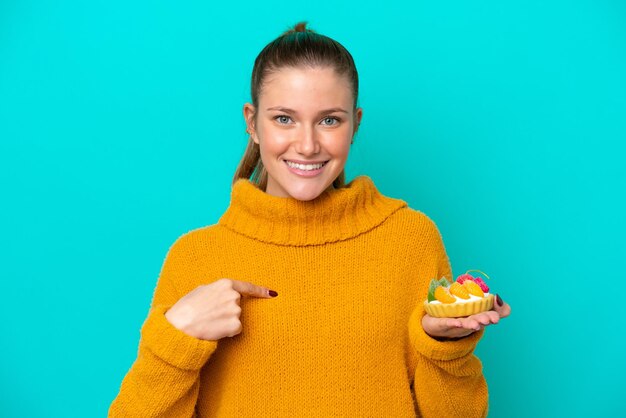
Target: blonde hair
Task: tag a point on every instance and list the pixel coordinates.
(296, 47)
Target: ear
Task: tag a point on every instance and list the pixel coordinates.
(357, 119)
(249, 112)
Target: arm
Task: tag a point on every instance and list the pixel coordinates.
(448, 379)
(164, 379)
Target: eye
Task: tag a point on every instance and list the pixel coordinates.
(282, 119)
(331, 118)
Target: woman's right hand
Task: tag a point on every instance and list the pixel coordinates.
(212, 311)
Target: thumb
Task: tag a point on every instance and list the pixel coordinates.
(501, 307)
(249, 289)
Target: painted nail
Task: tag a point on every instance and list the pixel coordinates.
(273, 293)
(499, 300)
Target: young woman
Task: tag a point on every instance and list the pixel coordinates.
(306, 298)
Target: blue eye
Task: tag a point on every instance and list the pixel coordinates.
(281, 118)
(284, 119)
(332, 119)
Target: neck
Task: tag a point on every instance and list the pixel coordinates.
(335, 215)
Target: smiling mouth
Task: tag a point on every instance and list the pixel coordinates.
(305, 167)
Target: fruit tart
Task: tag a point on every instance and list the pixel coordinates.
(468, 295)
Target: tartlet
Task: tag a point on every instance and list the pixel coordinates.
(468, 295)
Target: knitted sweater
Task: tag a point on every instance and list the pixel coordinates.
(343, 338)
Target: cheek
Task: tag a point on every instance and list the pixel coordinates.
(273, 140)
(338, 145)
(345, 150)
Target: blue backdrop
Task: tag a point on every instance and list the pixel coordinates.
(121, 127)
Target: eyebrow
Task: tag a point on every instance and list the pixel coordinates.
(287, 110)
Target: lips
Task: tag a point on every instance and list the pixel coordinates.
(305, 170)
(305, 167)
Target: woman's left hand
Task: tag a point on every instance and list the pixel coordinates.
(462, 327)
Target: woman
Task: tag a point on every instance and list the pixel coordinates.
(348, 335)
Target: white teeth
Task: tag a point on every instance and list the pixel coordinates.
(306, 167)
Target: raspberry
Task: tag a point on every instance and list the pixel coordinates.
(482, 284)
(443, 296)
(464, 277)
(457, 289)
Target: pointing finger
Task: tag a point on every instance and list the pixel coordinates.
(249, 289)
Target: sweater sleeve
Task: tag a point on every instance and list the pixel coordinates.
(448, 379)
(164, 379)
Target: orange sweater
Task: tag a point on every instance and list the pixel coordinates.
(343, 337)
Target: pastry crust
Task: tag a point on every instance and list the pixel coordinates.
(458, 309)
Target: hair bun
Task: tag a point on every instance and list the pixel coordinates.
(299, 27)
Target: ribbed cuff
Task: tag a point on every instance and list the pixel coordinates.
(172, 345)
(439, 350)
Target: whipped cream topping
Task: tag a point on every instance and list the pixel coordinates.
(461, 300)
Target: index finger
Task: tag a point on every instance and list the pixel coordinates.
(249, 289)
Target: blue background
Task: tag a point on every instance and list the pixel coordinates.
(121, 127)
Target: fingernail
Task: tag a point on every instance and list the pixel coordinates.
(499, 300)
(273, 293)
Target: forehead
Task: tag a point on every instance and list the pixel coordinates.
(305, 87)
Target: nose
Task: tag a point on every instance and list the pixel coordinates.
(307, 142)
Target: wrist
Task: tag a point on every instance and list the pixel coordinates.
(442, 339)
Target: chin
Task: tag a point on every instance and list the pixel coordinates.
(306, 193)
(305, 196)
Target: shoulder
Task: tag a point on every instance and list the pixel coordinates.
(415, 217)
(192, 242)
(416, 224)
(408, 224)
(408, 217)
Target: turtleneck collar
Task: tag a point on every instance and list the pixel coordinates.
(335, 215)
